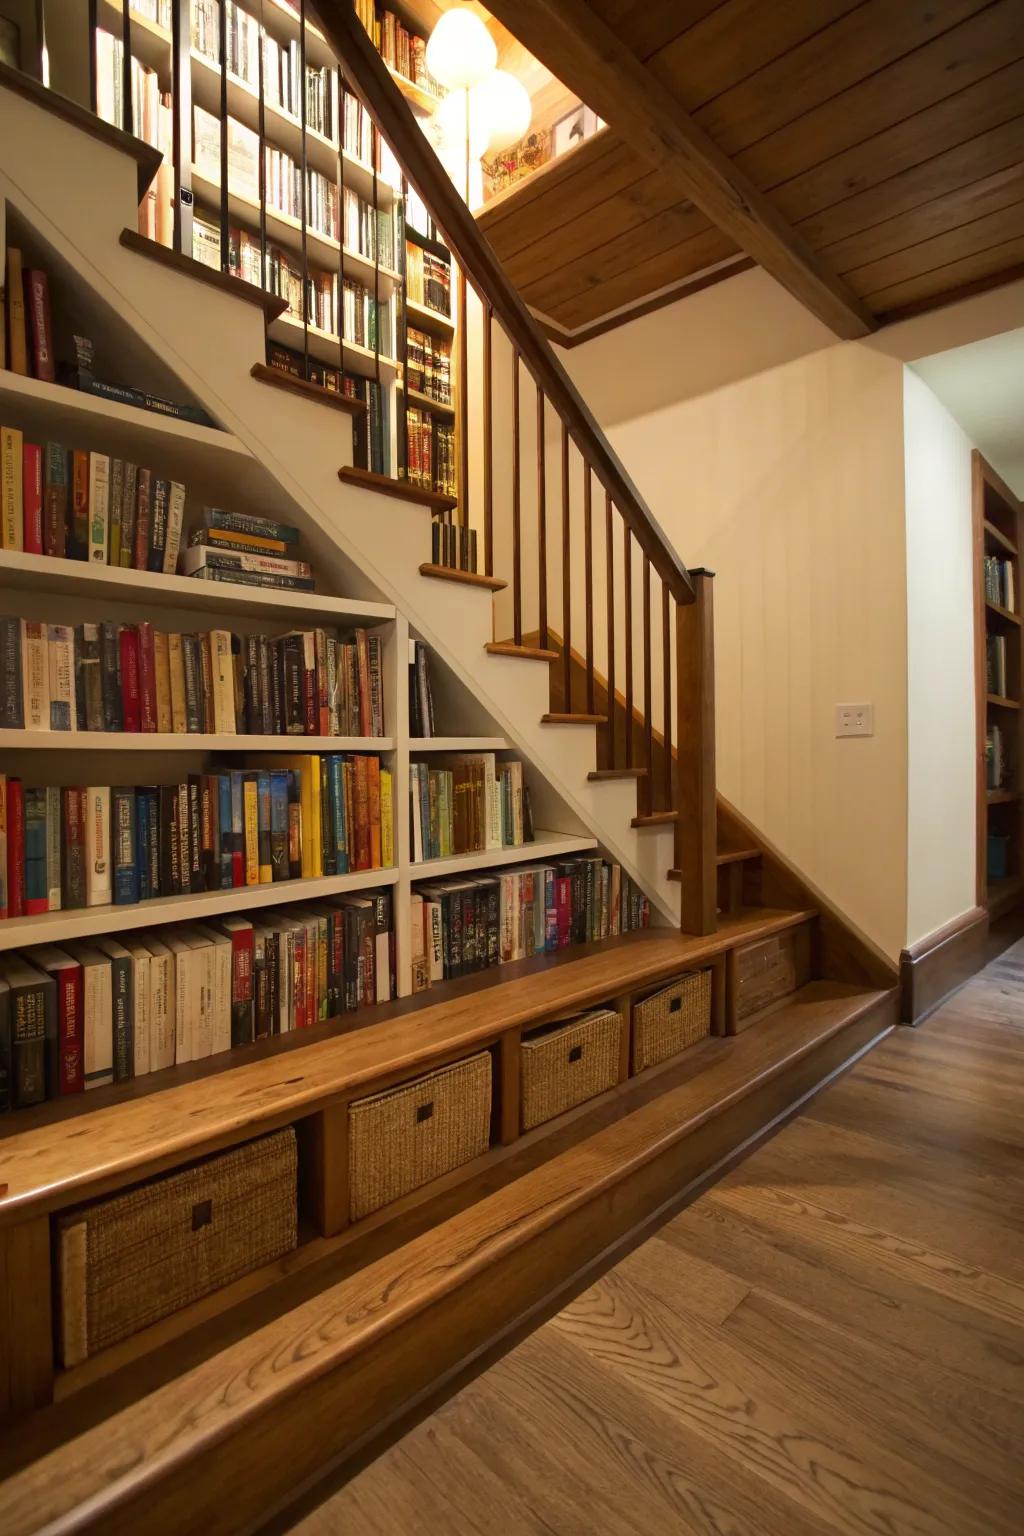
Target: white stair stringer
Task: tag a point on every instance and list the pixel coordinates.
(78, 194)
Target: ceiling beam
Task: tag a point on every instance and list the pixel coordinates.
(583, 51)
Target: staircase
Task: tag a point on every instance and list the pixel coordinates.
(203, 1422)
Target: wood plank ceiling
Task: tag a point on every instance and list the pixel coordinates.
(888, 133)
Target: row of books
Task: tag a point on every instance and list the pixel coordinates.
(995, 663)
(463, 925)
(996, 766)
(282, 64)
(999, 582)
(428, 278)
(87, 1014)
(132, 677)
(151, 120)
(405, 51)
(26, 343)
(375, 233)
(428, 365)
(452, 544)
(282, 819)
(87, 506)
(468, 804)
(421, 694)
(430, 451)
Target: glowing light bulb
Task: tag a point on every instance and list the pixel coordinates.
(507, 108)
(460, 51)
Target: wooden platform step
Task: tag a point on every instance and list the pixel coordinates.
(599, 775)
(724, 856)
(466, 578)
(522, 652)
(401, 490)
(350, 1357)
(307, 389)
(569, 719)
(210, 277)
(655, 819)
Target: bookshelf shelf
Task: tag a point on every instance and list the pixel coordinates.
(430, 319)
(998, 702)
(183, 741)
(1004, 614)
(414, 93)
(84, 922)
(457, 744)
(43, 573)
(996, 536)
(151, 43)
(426, 403)
(546, 845)
(323, 345)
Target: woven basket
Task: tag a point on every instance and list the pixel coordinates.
(125, 1263)
(409, 1135)
(568, 1063)
(670, 1020)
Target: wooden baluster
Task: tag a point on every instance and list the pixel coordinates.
(610, 600)
(488, 428)
(648, 721)
(261, 129)
(181, 119)
(627, 618)
(588, 574)
(695, 841)
(222, 58)
(127, 113)
(517, 553)
(566, 583)
(93, 22)
(462, 483)
(542, 525)
(666, 670)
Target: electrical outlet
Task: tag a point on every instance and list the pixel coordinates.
(855, 719)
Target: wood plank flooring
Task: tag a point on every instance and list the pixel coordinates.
(830, 1340)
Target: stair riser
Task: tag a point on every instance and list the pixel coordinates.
(258, 1465)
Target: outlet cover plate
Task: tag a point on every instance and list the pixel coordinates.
(855, 719)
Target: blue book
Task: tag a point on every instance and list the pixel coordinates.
(550, 910)
(122, 833)
(338, 824)
(224, 816)
(430, 849)
(142, 842)
(279, 825)
(263, 827)
(37, 897)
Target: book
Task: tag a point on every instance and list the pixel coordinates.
(60, 640)
(11, 488)
(31, 1000)
(39, 327)
(122, 1007)
(99, 508)
(98, 886)
(97, 1014)
(32, 498)
(35, 661)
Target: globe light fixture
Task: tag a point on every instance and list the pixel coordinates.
(506, 108)
(461, 52)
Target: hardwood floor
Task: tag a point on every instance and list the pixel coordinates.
(830, 1340)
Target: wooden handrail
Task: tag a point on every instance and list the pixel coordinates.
(368, 78)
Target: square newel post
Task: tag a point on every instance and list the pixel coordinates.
(696, 824)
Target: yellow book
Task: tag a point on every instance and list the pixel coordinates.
(176, 670)
(162, 669)
(251, 824)
(387, 821)
(12, 521)
(307, 766)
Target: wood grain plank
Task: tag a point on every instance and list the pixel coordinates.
(647, 25)
(658, 271)
(943, 250)
(995, 264)
(555, 196)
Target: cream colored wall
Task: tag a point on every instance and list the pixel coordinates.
(941, 744)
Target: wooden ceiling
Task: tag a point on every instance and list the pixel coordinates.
(878, 144)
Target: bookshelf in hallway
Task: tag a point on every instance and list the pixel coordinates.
(313, 206)
(998, 529)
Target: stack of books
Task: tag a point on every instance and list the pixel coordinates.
(464, 925)
(132, 677)
(470, 804)
(244, 547)
(84, 1015)
(999, 583)
(279, 818)
(429, 366)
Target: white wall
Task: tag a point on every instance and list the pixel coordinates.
(942, 729)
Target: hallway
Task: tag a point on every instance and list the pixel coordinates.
(831, 1340)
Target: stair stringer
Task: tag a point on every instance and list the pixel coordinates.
(79, 194)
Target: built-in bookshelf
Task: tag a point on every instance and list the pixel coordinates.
(998, 528)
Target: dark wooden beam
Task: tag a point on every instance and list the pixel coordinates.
(586, 55)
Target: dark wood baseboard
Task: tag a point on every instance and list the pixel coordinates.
(940, 962)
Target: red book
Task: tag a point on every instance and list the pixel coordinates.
(131, 708)
(239, 930)
(143, 512)
(15, 848)
(69, 1068)
(32, 497)
(299, 1019)
(309, 701)
(40, 331)
(563, 899)
(147, 678)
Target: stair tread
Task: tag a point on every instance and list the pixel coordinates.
(101, 1468)
(401, 490)
(655, 819)
(270, 304)
(597, 775)
(736, 855)
(305, 387)
(568, 719)
(466, 578)
(522, 652)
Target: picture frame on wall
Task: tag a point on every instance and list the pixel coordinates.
(572, 129)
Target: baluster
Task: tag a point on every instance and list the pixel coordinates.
(695, 763)
(402, 469)
(648, 721)
(181, 117)
(375, 157)
(462, 481)
(566, 584)
(128, 113)
(627, 617)
(517, 554)
(610, 600)
(666, 668)
(304, 176)
(93, 22)
(261, 121)
(542, 525)
(588, 573)
(342, 116)
(488, 429)
(225, 235)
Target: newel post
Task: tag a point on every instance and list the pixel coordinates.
(696, 825)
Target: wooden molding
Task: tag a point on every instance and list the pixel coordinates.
(936, 965)
(466, 578)
(585, 53)
(401, 490)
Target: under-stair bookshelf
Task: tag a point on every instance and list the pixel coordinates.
(999, 650)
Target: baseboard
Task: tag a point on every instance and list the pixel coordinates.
(940, 962)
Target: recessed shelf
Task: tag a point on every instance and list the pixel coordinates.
(997, 701)
(546, 845)
(43, 573)
(83, 922)
(457, 744)
(185, 741)
(428, 319)
(998, 537)
(424, 402)
(1002, 613)
(324, 347)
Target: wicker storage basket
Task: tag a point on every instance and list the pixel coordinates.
(406, 1136)
(567, 1063)
(126, 1262)
(668, 1021)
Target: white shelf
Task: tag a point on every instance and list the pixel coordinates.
(84, 922)
(183, 741)
(425, 318)
(323, 346)
(546, 846)
(457, 744)
(46, 574)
